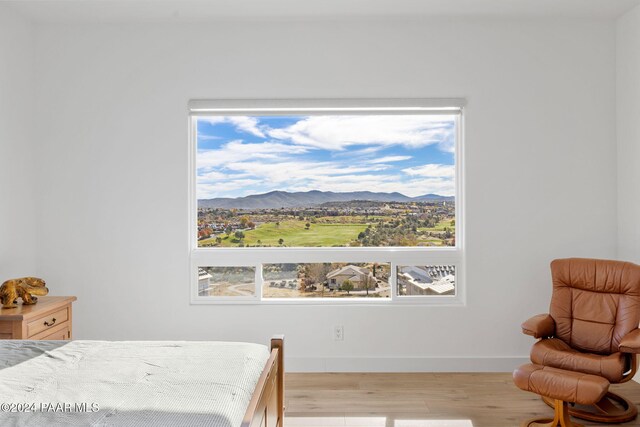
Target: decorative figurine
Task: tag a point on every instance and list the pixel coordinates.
(25, 288)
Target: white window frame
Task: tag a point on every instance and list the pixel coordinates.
(396, 256)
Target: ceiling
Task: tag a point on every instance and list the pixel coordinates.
(133, 11)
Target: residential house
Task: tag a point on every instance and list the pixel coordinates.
(358, 276)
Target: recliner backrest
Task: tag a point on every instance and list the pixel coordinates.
(595, 303)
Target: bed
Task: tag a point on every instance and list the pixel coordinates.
(141, 383)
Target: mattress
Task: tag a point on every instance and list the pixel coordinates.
(127, 383)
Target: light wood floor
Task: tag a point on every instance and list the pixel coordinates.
(416, 400)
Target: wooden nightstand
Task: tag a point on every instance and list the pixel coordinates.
(48, 319)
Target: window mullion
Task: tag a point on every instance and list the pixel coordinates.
(259, 282)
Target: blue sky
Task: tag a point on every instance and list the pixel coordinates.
(242, 155)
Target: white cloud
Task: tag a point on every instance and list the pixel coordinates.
(364, 151)
(290, 171)
(432, 170)
(420, 187)
(211, 176)
(235, 151)
(209, 190)
(247, 124)
(341, 132)
(244, 123)
(389, 159)
(448, 144)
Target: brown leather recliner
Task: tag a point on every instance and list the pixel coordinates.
(592, 328)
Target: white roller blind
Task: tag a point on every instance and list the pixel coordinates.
(267, 107)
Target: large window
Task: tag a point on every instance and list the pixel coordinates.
(326, 200)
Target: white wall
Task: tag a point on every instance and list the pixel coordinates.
(112, 162)
(17, 163)
(628, 133)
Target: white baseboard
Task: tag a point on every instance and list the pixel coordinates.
(404, 364)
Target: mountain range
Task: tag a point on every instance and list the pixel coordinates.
(285, 199)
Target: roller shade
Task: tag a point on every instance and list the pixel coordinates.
(265, 107)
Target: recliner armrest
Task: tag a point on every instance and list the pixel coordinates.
(539, 326)
(630, 343)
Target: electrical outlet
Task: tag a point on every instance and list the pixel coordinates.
(338, 333)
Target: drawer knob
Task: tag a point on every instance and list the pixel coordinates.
(53, 322)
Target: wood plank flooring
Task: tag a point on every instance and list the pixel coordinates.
(416, 400)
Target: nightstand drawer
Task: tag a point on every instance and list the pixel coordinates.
(56, 334)
(47, 322)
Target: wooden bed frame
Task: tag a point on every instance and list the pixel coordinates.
(266, 408)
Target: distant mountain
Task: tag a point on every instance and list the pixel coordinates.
(433, 197)
(285, 199)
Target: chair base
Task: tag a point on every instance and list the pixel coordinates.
(561, 417)
(612, 409)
